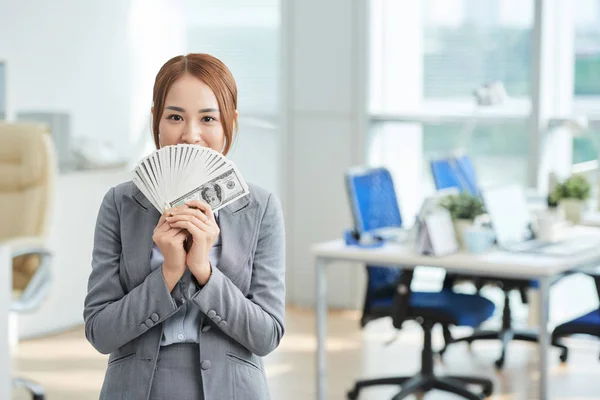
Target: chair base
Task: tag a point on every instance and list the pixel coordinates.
(36, 390)
(422, 383)
(505, 336)
(426, 380)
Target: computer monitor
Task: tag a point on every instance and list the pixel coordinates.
(509, 213)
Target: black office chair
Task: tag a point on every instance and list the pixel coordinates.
(430, 308)
(459, 172)
(588, 324)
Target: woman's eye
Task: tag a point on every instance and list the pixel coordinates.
(207, 118)
(175, 117)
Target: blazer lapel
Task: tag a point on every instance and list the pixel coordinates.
(139, 218)
(236, 223)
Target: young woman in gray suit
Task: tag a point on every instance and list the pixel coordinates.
(187, 325)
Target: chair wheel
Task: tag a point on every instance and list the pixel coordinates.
(564, 355)
(499, 363)
(487, 392)
(352, 395)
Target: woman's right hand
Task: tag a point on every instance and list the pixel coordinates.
(170, 242)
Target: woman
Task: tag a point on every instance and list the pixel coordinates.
(187, 325)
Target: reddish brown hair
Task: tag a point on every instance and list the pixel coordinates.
(214, 74)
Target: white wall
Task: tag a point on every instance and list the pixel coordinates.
(324, 113)
(68, 55)
(93, 60)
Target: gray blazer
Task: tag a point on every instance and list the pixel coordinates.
(244, 299)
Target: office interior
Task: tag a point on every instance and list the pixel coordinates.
(504, 93)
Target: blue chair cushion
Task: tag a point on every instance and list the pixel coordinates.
(446, 306)
(382, 277)
(585, 324)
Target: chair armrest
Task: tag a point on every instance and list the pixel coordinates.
(401, 302)
(39, 285)
(26, 245)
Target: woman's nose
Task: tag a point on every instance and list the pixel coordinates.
(192, 134)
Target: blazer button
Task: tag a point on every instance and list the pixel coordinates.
(143, 326)
(149, 323)
(223, 324)
(206, 328)
(211, 314)
(154, 317)
(217, 319)
(205, 365)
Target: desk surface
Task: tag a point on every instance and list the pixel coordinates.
(494, 262)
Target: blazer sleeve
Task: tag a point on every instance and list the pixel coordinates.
(256, 320)
(112, 316)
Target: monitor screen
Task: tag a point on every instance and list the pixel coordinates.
(509, 213)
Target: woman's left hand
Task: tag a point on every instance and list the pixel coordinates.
(198, 219)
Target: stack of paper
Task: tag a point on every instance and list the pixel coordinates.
(175, 174)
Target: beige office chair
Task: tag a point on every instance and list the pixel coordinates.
(27, 173)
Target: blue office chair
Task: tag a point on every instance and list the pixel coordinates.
(374, 206)
(460, 173)
(455, 172)
(430, 308)
(588, 324)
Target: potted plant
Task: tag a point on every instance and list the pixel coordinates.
(463, 208)
(571, 196)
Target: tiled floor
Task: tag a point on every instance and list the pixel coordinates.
(70, 369)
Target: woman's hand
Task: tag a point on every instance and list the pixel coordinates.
(170, 242)
(197, 218)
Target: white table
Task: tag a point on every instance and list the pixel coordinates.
(591, 218)
(493, 263)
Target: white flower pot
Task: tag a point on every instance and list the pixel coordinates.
(573, 208)
(459, 227)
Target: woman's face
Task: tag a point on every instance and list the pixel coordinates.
(191, 115)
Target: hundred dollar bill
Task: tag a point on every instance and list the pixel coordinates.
(218, 192)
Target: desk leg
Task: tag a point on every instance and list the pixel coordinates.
(321, 305)
(544, 338)
(5, 299)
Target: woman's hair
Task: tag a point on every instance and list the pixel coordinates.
(214, 74)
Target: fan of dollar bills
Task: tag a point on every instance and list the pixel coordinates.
(175, 174)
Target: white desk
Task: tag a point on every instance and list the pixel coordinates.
(591, 218)
(494, 263)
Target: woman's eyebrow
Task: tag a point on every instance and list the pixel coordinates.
(181, 110)
(205, 110)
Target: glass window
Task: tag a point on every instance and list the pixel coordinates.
(499, 152)
(585, 145)
(471, 42)
(587, 47)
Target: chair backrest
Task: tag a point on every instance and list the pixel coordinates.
(372, 199)
(27, 173)
(374, 205)
(455, 172)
